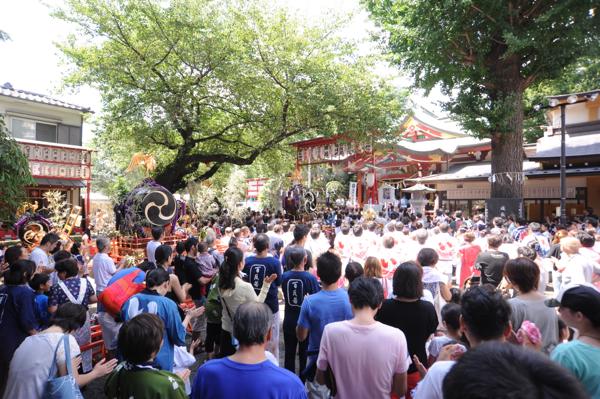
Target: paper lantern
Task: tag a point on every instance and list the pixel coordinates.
(370, 179)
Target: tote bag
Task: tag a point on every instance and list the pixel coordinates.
(64, 387)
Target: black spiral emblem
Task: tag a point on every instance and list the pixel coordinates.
(159, 206)
(310, 202)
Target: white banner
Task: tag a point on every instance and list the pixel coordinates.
(352, 193)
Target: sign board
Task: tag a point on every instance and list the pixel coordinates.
(57, 162)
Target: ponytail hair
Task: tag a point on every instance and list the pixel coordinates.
(156, 277)
(19, 272)
(162, 254)
(229, 268)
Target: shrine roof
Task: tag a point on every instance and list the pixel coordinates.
(445, 146)
(441, 123)
(321, 140)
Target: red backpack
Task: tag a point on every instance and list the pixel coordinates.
(116, 294)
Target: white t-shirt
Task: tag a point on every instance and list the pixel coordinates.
(150, 249)
(183, 360)
(430, 387)
(31, 363)
(39, 257)
(318, 246)
(578, 269)
(103, 269)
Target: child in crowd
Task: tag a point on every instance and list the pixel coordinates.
(451, 321)
(565, 334)
(185, 359)
(139, 341)
(41, 284)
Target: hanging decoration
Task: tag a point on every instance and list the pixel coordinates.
(507, 177)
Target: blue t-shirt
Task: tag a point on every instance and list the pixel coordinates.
(582, 360)
(41, 311)
(257, 269)
(17, 318)
(296, 285)
(224, 378)
(320, 309)
(149, 301)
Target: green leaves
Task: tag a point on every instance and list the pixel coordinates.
(14, 175)
(469, 47)
(201, 84)
(484, 54)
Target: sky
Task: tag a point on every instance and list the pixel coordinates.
(31, 61)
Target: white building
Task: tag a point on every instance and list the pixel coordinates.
(49, 132)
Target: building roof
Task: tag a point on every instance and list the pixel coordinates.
(46, 181)
(561, 97)
(479, 170)
(580, 145)
(7, 90)
(482, 170)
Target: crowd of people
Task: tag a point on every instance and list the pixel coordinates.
(364, 304)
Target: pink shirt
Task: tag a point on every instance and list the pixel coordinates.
(363, 358)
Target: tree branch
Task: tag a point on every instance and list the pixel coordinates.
(267, 69)
(217, 136)
(210, 172)
(164, 143)
(484, 14)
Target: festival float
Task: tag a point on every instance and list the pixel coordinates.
(33, 224)
(148, 205)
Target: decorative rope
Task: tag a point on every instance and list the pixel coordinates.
(503, 177)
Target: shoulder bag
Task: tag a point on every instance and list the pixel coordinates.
(64, 387)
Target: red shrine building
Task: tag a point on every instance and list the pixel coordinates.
(426, 144)
(439, 153)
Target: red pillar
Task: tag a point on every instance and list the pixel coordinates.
(359, 188)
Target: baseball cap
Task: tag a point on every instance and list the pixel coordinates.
(584, 298)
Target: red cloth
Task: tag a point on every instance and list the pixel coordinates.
(412, 380)
(468, 255)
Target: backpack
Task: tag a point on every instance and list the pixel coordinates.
(116, 294)
(213, 306)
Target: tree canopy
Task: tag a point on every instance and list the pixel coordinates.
(201, 84)
(484, 54)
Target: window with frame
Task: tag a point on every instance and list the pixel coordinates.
(40, 131)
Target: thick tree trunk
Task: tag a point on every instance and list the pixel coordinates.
(507, 141)
(507, 156)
